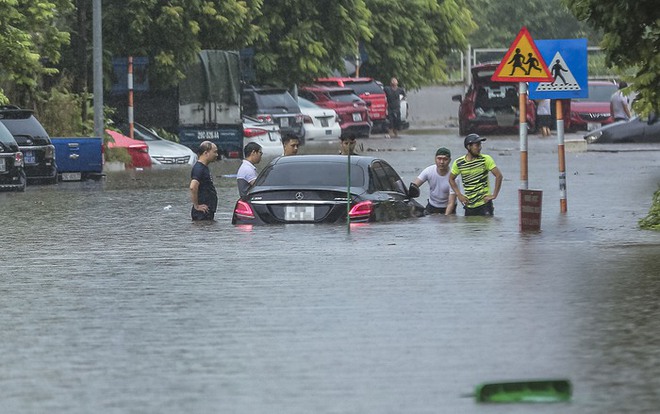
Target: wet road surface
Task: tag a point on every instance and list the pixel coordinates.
(114, 302)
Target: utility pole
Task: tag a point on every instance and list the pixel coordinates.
(98, 68)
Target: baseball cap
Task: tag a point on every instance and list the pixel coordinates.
(443, 151)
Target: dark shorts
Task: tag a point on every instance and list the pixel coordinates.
(483, 210)
(200, 215)
(394, 118)
(544, 120)
(436, 210)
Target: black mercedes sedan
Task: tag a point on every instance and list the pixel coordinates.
(317, 189)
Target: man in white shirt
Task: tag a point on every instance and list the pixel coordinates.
(247, 172)
(442, 199)
(619, 104)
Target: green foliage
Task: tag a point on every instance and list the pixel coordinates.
(60, 111)
(631, 40)
(30, 42)
(652, 221)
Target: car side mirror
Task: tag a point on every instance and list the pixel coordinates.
(413, 191)
(457, 98)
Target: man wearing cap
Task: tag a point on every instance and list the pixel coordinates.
(473, 168)
(442, 199)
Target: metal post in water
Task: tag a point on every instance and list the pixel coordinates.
(522, 123)
(348, 193)
(563, 207)
(130, 97)
(97, 59)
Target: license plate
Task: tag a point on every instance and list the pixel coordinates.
(3, 165)
(284, 122)
(328, 132)
(324, 122)
(593, 125)
(299, 213)
(357, 117)
(71, 176)
(29, 158)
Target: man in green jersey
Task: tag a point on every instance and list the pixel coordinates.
(473, 168)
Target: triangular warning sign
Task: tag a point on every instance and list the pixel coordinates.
(563, 79)
(522, 62)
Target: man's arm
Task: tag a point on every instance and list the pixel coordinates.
(454, 186)
(194, 196)
(498, 184)
(451, 204)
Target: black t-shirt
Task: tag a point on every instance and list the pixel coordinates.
(206, 193)
(393, 99)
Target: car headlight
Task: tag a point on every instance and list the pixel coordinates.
(593, 136)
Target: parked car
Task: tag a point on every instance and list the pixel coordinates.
(351, 109)
(138, 150)
(593, 112)
(266, 134)
(312, 189)
(490, 106)
(273, 105)
(12, 175)
(320, 123)
(33, 141)
(371, 91)
(161, 151)
(638, 129)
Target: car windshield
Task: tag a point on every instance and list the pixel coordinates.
(360, 88)
(344, 96)
(277, 99)
(599, 93)
(143, 134)
(315, 174)
(27, 126)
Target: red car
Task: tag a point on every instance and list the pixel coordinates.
(138, 150)
(490, 106)
(370, 91)
(593, 112)
(351, 109)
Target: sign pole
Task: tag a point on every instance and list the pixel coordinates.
(522, 123)
(348, 193)
(563, 208)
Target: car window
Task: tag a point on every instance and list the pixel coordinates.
(344, 96)
(277, 99)
(23, 125)
(365, 87)
(6, 136)
(384, 178)
(599, 93)
(304, 103)
(307, 95)
(325, 174)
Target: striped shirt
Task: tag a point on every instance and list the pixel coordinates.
(474, 175)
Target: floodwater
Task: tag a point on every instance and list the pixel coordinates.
(113, 301)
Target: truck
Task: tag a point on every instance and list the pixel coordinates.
(210, 103)
(78, 158)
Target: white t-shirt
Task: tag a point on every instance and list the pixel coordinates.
(544, 107)
(619, 101)
(438, 184)
(247, 171)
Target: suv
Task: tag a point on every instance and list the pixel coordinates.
(352, 111)
(274, 105)
(370, 91)
(12, 176)
(33, 141)
(490, 106)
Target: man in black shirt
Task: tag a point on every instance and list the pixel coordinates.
(393, 94)
(202, 190)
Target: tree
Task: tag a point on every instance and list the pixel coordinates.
(411, 38)
(631, 39)
(30, 44)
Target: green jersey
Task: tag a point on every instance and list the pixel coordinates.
(474, 175)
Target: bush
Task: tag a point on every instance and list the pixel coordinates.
(652, 221)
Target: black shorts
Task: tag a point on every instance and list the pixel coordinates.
(483, 210)
(394, 118)
(436, 210)
(544, 121)
(200, 215)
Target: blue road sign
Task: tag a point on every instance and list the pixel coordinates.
(567, 62)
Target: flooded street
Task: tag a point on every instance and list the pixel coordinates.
(113, 301)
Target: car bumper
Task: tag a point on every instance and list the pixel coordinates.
(321, 134)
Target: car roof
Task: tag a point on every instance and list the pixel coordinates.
(321, 88)
(346, 79)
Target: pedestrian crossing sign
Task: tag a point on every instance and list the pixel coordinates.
(567, 60)
(522, 62)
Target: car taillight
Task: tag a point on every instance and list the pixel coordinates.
(140, 149)
(18, 159)
(299, 118)
(307, 119)
(243, 210)
(361, 210)
(253, 132)
(233, 154)
(265, 118)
